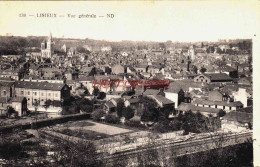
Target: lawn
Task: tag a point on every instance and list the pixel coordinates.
(85, 134)
(98, 127)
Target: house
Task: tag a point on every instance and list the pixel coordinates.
(213, 78)
(242, 96)
(224, 105)
(185, 107)
(11, 73)
(42, 91)
(175, 94)
(135, 104)
(148, 92)
(18, 103)
(162, 101)
(117, 69)
(154, 69)
(245, 81)
(215, 95)
(141, 68)
(129, 69)
(109, 106)
(7, 89)
(232, 72)
(3, 105)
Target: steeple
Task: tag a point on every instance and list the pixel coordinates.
(50, 37)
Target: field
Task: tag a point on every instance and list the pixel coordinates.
(91, 130)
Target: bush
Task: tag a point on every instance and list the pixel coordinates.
(128, 113)
(110, 118)
(86, 108)
(98, 114)
(221, 113)
(135, 124)
(70, 110)
(11, 112)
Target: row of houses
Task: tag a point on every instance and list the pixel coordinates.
(30, 93)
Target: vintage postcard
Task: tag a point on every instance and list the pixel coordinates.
(129, 83)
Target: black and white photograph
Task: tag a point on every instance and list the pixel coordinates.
(129, 83)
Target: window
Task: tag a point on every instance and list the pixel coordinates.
(215, 106)
(21, 92)
(28, 93)
(42, 94)
(28, 98)
(35, 93)
(223, 107)
(49, 94)
(56, 94)
(4, 93)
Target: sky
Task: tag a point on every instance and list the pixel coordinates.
(134, 20)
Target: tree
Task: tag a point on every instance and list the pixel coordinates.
(93, 72)
(95, 91)
(66, 110)
(203, 70)
(221, 113)
(101, 95)
(47, 104)
(110, 118)
(194, 69)
(150, 111)
(175, 125)
(128, 113)
(48, 60)
(11, 111)
(120, 108)
(98, 114)
(75, 154)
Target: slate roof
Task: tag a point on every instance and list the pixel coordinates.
(110, 104)
(151, 92)
(218, 76)
(39, 85)
(246, 109)
(6, 79)
(220, 103)
(134, 100)
(6, 84)
(17, 99)
(162, 99)
(188, 106)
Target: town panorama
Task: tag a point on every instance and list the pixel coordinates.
(84, 102)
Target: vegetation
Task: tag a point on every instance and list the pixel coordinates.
(150, 111)
(11, 112)
(98, 114)
(120, 108)
(128, 113)
(111, 118)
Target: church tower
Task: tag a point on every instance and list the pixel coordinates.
(47, 48)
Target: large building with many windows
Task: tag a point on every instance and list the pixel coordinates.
(41, 92)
